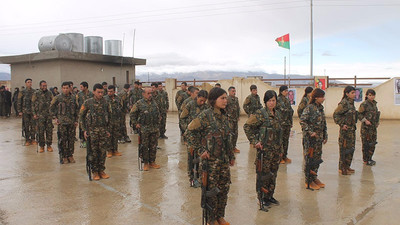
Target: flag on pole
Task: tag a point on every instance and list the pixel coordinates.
(283, 41)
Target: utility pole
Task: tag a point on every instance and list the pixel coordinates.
(311, 44)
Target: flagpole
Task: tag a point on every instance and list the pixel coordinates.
(289, 64)
(284, 70)
(311, 41)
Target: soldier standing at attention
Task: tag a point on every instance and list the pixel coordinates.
(135, 95)
(65, 109)
(81, 97)
(124, 98)
(94, 117)
(369, 117)
(25, 110)
(233, 112)
(189, 113)
(264, 131)
(181, 95)
(193, 91)
(164, 109)
(286, 112)
(315, 134)
(145, 116)
(104, 84)
(216, 152)
(345, 116)
(304, 101)
(252, 102)
(41, 101)
(115, 121)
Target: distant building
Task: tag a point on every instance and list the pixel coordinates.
(58, 66)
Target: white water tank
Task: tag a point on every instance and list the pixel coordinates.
(94, 45)
(58, 42)
(77, 41)
(113, 47)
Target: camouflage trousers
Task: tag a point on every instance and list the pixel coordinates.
(347, 141)
(115, 136)
(149, 146)
(368, 138)
(270, 166)
(219, 176)
(66, 139)
(28, 126)
(317, 154)
(98, 145)
(163, 123)
(235, 130)
(285, 140)
(45, 130)
(123, 132)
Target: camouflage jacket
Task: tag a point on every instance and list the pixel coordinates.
(190, 112)
(25, 100)
(147, 115)
(264, 127)
(369, 111)
(124, 98)
(157, 97)
(313, 120)
(180, 97)
(41, 101)
(184, 103)
(251, 104)
(303, 104)
(81, 97)
(346, 113)
(164, 101)
(65, 109)
(233, 109)
(116, 109)
(135, 95)
(285, 110)
(95, 114)
(210, 132)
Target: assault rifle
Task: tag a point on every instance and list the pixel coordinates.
(194, 161)
(140, 152)
(60, 150)
(260, 180)
(89, 163)
(311, 163)
(206, 193)
(343, 154)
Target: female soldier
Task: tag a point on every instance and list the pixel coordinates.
(313, 124)
(216, 154)
(286, 112)
(345, 116)
(263, 129)
(369, 116)
(304, 101)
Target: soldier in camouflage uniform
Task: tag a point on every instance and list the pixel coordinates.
(145, 116)
(369, 117)
(264, 131)
(252, 102)
(124, 97)
(194, 91)
(233, 111)
(41, 101)
(65, 109)
(216, 151)
(286, 112)
(104, 84)
(94, 117)
(315, 134)
(189, 113)
(135, 95)
(304, 101)
(345, 116)
(81, 97)
(115, 121)
(163, 109)
(25, 110)
(181, 96)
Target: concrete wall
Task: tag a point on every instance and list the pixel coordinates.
(384, 95)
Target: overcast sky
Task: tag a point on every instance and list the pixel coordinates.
(351, 37)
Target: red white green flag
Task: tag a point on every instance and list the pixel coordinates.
(283, 41)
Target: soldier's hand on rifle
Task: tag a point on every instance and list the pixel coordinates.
(57, 122)
(35, 117)
(76, 124)
(232, 162)
(345, 127)
(324, 142)
(313, 134)
(85, 135)
(258, 145)
(367, 123)
(108, 134)
(20, 114)
(137, 126)
(205, 155)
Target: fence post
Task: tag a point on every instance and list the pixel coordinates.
(194, 82)
(289, 81)
(355, 81)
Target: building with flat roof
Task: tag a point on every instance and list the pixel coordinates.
(58, 66)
